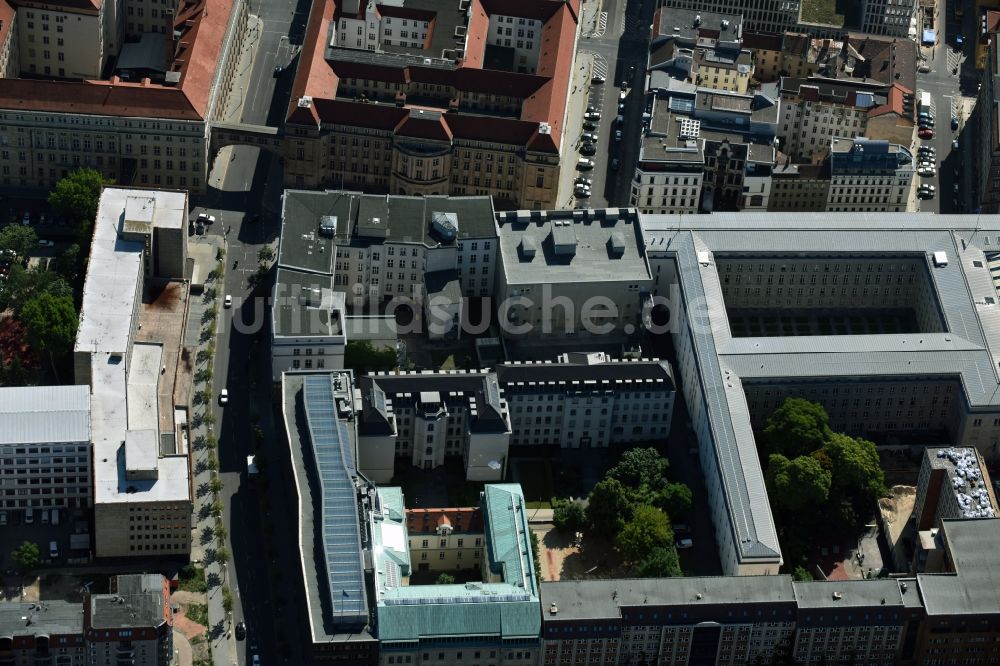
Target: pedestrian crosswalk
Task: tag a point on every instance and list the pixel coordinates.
(600, 67)
(602, 24)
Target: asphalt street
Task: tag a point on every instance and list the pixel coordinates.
(951, 75)
(619, 44)
(244, 196)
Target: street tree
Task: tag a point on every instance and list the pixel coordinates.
(69, 264)
(444, 579)
(265, 255)
(227, 600)
(660, 563)
(77, 195)
(26, 556)
(17, 240)
(52, 322)
(648, 528)
(798, 485)
(220, 532)
(216, 485)
(640, 467)
(608, 507)
(800, 573)
(569, 516)
(795, 428)
(216, 509)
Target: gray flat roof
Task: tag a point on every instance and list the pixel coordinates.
(847, 594)
(603, 599)
(968, 350)
(139, 600)
(649, 372)
(42, 414)
(366, 218)
(975, 589)
(305, 305)
(592, 261)
(48, 618)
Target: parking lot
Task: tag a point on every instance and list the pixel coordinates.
(17, 531)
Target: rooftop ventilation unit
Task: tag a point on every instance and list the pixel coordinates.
(617, 244)
(311, 297)
(528, 247)
(544, 128)
(940, 259)
(328, 225)
(445, 226)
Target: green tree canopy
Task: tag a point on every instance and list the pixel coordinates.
(802, 574)
(445, 579)
(26, 556)
(857, 472)
(362, 357)
(640, 467)
(69, 264)
(796, 427)
(797, 485)
(17, 238)
(51, 320)
(569, 516)
(659, 563)
(77, 195)
(676, 499)
(608, 507)
(649, 528)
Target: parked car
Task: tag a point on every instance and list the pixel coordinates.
(618, 135)
(580, 180)
(954, 144)
(224, 396)
(615, 164)
(582, 193)
(589, 125)
(241, 631)
(954, 123)
(925, 133)
(53, 550)
(584, 164)
(923, 68)
(26, 219)
(598, 79)
(228, 302)
(278, 69)
(205, 218)
(588, 137)
(684, 544)
(3, 518)
(45, 243)
(592, 115)
(588, 149)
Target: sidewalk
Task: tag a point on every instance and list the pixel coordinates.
(578, 100)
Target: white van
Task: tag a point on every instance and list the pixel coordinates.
(29, 516)
(45, 516)
(54, 517)
(54, 550)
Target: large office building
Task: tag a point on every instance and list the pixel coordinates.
(953, 484)
(870, 175)
(141, 477)
(580, 401)
(45, 447)
(360, 581)
(128, 88)
(424, 98)
(984, 124)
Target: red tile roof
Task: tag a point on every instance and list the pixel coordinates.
(86, 5)
(197, 53)
(894, 102)
(424, 126)
(6, 20)
(544, 93)
(462, 520)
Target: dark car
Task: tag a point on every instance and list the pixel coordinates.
(588, 149)
(954, 123)
(278, 69)
(589, 125)
(615, 164)
(241, 631)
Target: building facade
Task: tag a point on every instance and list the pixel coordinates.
(985, 151)
(45, 445)
(870, 175)
(428, 118)
(969, 495)
(445, 539)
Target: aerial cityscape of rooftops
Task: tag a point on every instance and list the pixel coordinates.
(499, 332)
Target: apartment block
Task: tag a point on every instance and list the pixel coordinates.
(705, 150)
(471, 102)
(445, 539)
(869, 175)
(701, 48)
(588, 401)
(132, 624)
(571, 273)
(816, 111)
(985, 120)
(799, 187)
(425, 419)
(142, 485)
(9, 49)
(45, 447)
(144, 124)
(758, 15)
